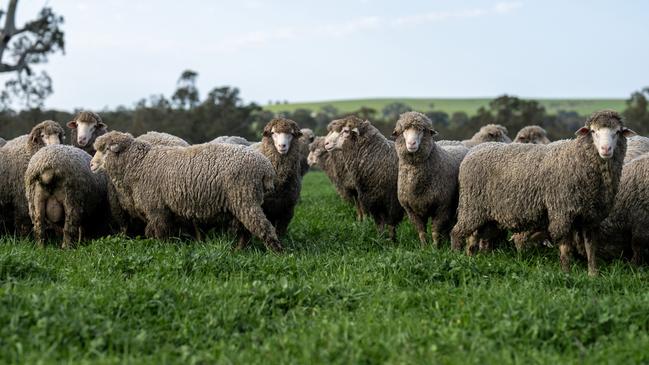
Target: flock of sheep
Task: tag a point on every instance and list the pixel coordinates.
(589, 194)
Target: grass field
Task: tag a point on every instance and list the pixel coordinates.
(583, 106)
(340, 294)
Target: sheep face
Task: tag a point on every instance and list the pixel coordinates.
(108, 147)
(282, 131)
(281, 141)
(331, 140)
(47, 133)
(86, 123)
(605, 138)
(412, 137)
(307, 135)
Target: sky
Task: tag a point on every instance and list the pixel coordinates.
(120, 51)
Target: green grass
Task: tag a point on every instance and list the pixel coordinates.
(340, 294)
(582, 106)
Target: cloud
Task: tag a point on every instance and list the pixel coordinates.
(356, 25)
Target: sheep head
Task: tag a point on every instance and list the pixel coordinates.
(44, 134)
(307, 135)
(492, 133)
(316, 151)
(605, 127)
(108, 147)
(353, 128)
(413, 126)
(532, 134)
(282, 131)
(333, 133)
(88, 125)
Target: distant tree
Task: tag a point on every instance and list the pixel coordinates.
(330, 111)
(186, 94)
(23, 47)
(636, 113)
(365, 113)
(392, 111)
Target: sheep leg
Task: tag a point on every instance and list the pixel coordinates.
(565, 252)
(255, 221)
(473, 244)
(591, 251)
(420, 226)
(392, 232)
(157, 225)
(638, 238)
(37, 210)
(71, 228)
(462, 231)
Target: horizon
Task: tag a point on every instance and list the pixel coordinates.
(307, 53)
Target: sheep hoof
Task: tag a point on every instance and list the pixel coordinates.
(593, 273)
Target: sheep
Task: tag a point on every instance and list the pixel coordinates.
(427, 177)
(625, 229)
(488, 133)
(200, 184)
(320, 157)
(65, 196)
(231, 140)
(14, 158)
(86, 126)
(344, 180)
(636, 146)
(162, 139)
(305, 141)
(2, 142)
(374, 166)
(566, 187)
(532, 134)
(126, 223)
(281, 146)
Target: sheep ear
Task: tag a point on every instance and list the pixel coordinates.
(626, 132)
(101, 125)
(72, 124)
(395, 133)
(355, 130)
(35, 136)
(582, 131)
(432, 132)
(116, 148)
(297, 133)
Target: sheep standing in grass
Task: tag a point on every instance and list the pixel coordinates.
(14, 158)
(202, 184)
(64, 196)
(626, 225)
(305, 139)
(344, 179)
(636, 146)
(566, 187)
(373, 163)
(281, 146)
(86, 127)
(427, 185)
(532, 134)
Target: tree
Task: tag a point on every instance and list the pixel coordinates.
(186, 94)
(636, 113)
(392, 111)
(23, 47)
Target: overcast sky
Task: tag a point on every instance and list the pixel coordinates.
(120, 51)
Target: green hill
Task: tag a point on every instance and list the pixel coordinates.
(469, 106)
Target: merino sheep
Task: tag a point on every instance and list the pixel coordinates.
(231, 140)
(488, 133)
(635, 147)
(123, 220)
(14, 158)
(162, 139)
(625, 229)
(65, 196)
(566, 187)
(427, 184)
(86, 127)
(344, 179)
(305, 139)
(320, 157)
(281, 146)
(201, 184)
(532, 134)
(373, 163)
(2, 142)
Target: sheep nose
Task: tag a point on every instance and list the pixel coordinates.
(606, 149)
(282, 145)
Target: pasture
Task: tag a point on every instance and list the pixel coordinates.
(339, 294)
(450, 105)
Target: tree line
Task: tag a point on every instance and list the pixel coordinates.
(223, 112)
